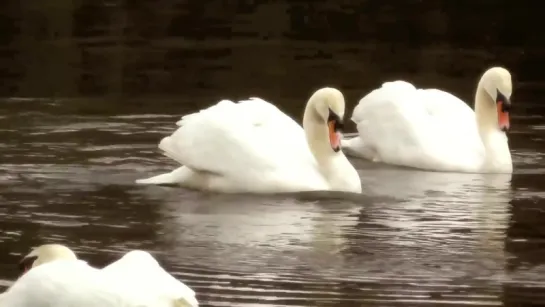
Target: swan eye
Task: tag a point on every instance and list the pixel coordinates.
(505, 102)
(337, 121)
(26, 263)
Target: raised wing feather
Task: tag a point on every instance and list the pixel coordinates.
(415, 127)
(64, 284)
(136, 280)
(139, 270)
(238, 139)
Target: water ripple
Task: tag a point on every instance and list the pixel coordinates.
(412, 238)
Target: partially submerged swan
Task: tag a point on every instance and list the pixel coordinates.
(433, 130)
(53, 276)
(252, 146)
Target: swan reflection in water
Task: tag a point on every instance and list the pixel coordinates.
(424, 226)
(444, 217)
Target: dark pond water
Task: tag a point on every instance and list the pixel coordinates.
(90, 89)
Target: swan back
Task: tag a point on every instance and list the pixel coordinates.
(135, 280)
(426, 128)
(141, 272)
(249, 146)
(62, 283)
(46, 253)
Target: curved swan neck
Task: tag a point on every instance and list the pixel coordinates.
(498, 156)
(485, 111)
(334, 166)
(316, 132)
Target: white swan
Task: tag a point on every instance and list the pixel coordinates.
(55, 277)
(434, 130)
(252, 146)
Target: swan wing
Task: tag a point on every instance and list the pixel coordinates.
(62, 284)
(139, 270)
(229, 137)
(249, 143)
(424, 128)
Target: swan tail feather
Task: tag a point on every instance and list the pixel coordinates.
(183, 302)
(179, 175)
(167, 145)
(158, 179)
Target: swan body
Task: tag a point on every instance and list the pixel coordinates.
(61, 280)
(434, 130)
(252, 146)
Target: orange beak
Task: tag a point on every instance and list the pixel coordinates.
(334, 136)
(503, 117)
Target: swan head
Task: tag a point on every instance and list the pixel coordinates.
(46, 253)
(496, 82)
(329, 106)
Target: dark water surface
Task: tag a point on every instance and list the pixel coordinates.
(115, 87)
(412, 238)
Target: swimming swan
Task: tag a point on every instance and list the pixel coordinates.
(433, 130)
(252, 146)
(53, 276)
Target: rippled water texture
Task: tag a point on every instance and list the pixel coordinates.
(412, 238)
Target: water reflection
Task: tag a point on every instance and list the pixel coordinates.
(422, 227)
(412, 237)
